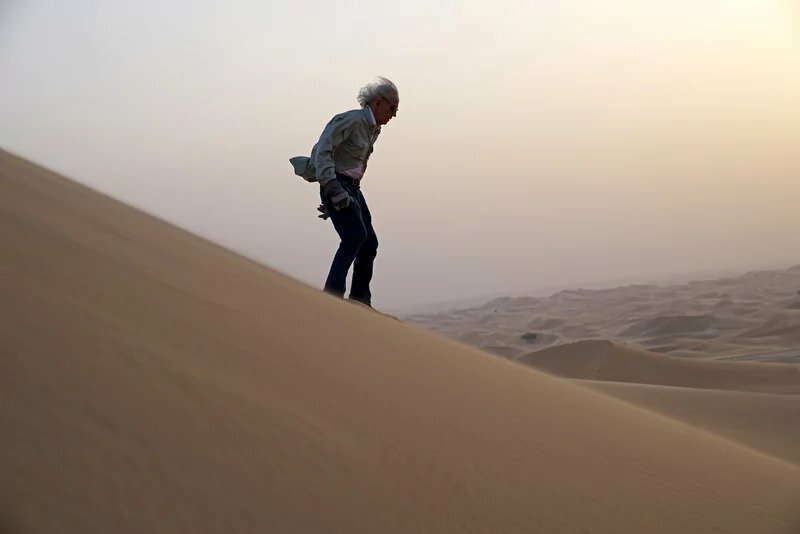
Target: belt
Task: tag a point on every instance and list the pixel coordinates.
(352, 181)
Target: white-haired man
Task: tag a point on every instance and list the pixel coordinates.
(338, 162)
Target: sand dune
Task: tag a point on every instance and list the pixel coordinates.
(767, 422)
(604, 360)
(780, 324)
(154, 382)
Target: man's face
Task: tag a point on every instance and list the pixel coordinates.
(385, 107)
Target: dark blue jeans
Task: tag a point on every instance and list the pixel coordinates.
(358, 246)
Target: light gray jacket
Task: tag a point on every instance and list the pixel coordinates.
(346, 143)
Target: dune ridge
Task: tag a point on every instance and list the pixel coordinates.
(152, 381)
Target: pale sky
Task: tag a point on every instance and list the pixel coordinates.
(538, 143)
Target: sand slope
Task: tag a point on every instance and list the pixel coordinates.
(604, 360)
(767, 422)
(153, 382)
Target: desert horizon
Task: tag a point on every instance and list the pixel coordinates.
(747, 316)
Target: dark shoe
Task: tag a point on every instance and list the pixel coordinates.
(361, 302)
(369, 306)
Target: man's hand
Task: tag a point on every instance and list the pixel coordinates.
(334, 191)
(323, 212)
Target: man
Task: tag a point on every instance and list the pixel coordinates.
(338, 162)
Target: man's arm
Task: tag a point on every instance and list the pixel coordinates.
(335, 132)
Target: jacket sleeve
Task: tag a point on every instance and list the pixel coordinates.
(337, 130)
(366, 161)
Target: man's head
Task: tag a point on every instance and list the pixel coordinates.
(382, 98)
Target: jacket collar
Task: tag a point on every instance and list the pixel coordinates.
(370, 117)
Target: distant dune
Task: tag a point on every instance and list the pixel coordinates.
(670, 325)
(154, 382)
(604, 360)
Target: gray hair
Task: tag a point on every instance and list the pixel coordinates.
(371, 91)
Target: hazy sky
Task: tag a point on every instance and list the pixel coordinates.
(538, 143)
